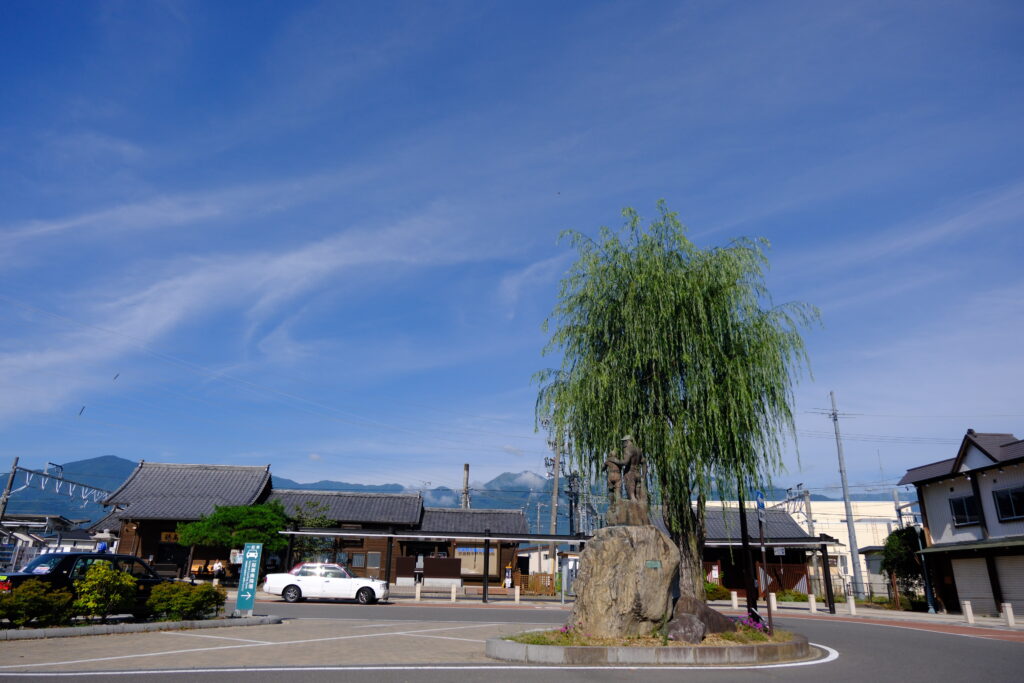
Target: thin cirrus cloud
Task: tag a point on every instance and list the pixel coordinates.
(258, 283)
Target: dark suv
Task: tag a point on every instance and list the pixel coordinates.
(61, 570)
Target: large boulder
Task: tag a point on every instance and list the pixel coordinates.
(692, 619)
(624, 587)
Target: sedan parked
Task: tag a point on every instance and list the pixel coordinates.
(318, 580)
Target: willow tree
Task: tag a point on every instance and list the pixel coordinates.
(681, 348)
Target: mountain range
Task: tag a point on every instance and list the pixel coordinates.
(525, 490)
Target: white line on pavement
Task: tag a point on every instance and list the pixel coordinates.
(198, 635)
(423, 635)
(832, 656)
(233, 647)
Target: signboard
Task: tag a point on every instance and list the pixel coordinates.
(653, 564)
(760, 500)
(235, 557)
(762, 516)
(248, 578)
(779, 550)
(168, 536)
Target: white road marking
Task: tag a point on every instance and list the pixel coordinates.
(832, 656)
(198, 635)
(422, 635)
(233, 647)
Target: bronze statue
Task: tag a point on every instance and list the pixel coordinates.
(629, 507)
(635, 475)
(613, 467)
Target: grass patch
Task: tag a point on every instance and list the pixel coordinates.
(568, 637)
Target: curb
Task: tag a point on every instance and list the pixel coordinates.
(107, 629)
(765, 653)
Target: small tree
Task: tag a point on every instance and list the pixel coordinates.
(105, 591)
(232, 526)
(312, 515)
(899, 558)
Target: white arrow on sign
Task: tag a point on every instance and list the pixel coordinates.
(247, 595)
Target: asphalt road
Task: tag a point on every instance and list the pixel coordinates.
(427, 643)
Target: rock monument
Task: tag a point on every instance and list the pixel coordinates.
(630, 568)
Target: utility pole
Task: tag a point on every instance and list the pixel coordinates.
(851, 527)
(556, 463)
(465, 486)
(7, 491)
(899, 509)
(810, 530)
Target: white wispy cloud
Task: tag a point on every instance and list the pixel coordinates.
(540, 274)
(114, 323)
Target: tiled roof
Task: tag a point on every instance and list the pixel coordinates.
(1000, 447)
(186, 492)
(935, 469)
(355, 507)
(723, 524)
(473, 521)
(992, 443)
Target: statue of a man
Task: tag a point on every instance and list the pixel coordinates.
(635, 475)
(613, 468)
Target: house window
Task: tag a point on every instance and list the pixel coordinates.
(373, 560)
(965, 510)
(1009, 503)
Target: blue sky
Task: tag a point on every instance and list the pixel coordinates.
(323, 236)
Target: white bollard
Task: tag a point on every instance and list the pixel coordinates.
(1008, 614)
(419, 587)
(852, 603)
(968, 611)
(517, 594)
(772, 605)
(735, 599)
(814, 603)
(453, 592)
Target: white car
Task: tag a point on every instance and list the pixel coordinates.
(316, 580)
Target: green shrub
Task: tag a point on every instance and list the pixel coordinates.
(34, 603)
(791, 596)
(174, 601)
(105, 591)
(715, 592)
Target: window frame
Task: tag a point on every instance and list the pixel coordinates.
(969, 521)
(1009, 491)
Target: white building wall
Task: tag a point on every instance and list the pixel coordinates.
(873, 522)
(973, 459)
(1012, 476)
(936, 498)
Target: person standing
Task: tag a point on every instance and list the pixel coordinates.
(218, 572)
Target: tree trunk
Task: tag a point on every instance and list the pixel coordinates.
(690, 541)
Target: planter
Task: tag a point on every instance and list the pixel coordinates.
(678, 655)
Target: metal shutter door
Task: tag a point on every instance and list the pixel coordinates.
(972, 584)
(1011, 580)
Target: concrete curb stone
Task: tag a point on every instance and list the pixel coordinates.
(761, 653)
(107, 629)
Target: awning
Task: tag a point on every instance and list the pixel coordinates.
(430, 535)
(990, 544)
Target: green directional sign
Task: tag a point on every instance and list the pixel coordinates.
(249, 578)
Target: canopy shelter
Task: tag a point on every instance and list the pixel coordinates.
(429, 535)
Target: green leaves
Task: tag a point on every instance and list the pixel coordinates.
(174, 601)
(899, 557)
(234, 526)
(681, 347)
(104, 591)
(36, 603)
